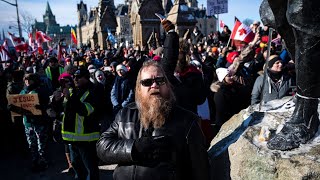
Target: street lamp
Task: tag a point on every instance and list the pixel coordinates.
(18, 19)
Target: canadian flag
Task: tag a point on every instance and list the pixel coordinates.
(221, 24)
(242, 32)
(41, 35)
(18, 43)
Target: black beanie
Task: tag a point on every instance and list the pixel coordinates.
(272, 60)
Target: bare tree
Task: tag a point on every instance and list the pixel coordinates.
(26, 21)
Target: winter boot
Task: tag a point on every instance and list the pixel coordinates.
(302, 126)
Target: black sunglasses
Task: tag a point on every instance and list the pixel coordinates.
(148, 82)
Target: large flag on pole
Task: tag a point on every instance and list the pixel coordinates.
(18, 43)
(41, 37)
(242, 32)
(74, 36)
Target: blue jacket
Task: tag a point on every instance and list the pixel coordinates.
(122, 92)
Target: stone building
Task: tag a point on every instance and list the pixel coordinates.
(206, 24)
(143, 19)
(52, 28)
(124, 30)
(93, 26)
(181, 15)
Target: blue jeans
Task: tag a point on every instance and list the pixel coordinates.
(84, 160)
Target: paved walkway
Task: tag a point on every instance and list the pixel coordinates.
(14, 165)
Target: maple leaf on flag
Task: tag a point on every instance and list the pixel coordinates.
(242, 32)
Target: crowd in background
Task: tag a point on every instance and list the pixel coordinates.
(211, 79)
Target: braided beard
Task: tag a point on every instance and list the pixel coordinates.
(153, 110)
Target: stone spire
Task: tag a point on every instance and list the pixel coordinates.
(48, 10)
(48, 18)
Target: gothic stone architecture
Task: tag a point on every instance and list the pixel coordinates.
(93, 27)
(124, 30)
(51, 28)
(144, 21)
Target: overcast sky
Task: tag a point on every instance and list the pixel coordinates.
(66, 10)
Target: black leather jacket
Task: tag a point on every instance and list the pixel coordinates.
(189, 158)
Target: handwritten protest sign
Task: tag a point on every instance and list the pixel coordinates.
(25, 101)
(217, 7)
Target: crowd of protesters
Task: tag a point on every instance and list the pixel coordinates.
(82, 92)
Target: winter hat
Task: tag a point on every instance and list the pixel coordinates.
(214, 49)
(196, 63)
(167, 25)
(231, 56)
(256, 23)
(156, 58)
(91, 68)
(123, 67)
(100, 73)
(82, 72)
(222, 73)
(272, 60)
(64, 76)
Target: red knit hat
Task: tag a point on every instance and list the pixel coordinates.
(156, 58)
(231, 56)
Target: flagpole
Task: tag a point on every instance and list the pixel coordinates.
(229, 40)
(265, 65)
(218, 22)
(235, 18)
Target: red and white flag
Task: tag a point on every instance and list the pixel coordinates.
(31, 41)
(242, 32)
(4, 53)
(43, 36)
(18, 43)
(32, 44)
(221, 24)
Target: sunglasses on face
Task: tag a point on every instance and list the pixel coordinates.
(148, 82)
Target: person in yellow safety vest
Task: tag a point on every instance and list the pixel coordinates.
(53, 72)
(80, 125)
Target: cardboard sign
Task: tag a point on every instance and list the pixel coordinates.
(217, 7)
(25, 101)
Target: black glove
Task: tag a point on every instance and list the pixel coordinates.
(163, 149)
(152, 149)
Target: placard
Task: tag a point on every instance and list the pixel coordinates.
(25, 101)
(217, 7)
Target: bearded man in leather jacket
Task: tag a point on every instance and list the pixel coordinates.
(154, 138)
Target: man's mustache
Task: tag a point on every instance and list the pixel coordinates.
(154, 91)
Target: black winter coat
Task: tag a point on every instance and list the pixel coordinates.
(190, 88)
(189, 158)
(229, 100)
